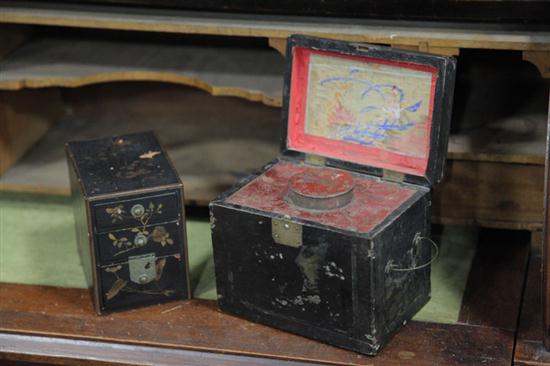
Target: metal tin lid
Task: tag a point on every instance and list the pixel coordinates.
(321, 189)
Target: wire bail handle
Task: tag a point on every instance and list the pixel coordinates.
(417, 240)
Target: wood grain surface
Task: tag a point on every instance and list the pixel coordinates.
(250, 73)
(198, 326)
(494, 289)
(529, 342)
(25, 118)
(11, 37)
(402, 33)
(490, 194)
(212, 141)
(62, 327)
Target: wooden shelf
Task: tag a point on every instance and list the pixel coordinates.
(196, 330)
(432, 36)
(517, 139)
(209, 151)
(529, 347)
(496, 161)
(495, 175)
(25, 118)
(250, 73)
(255, 74)
(214, 141)
(62, 328)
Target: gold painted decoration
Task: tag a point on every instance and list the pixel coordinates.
(121, 285)
(149, 154)
(119, 242)
(118, 285)
(142, 235)
(160, 267)
(159, 235)
(116, 213)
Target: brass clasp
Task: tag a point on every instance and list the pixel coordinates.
(286, 232)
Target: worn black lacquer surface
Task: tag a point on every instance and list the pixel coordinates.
(307, 284)
(128, 203)
(122, 163)
(348, 288)
(397, 246)
(336, 287)
(162, 238)
(105, 215)
(162, 289)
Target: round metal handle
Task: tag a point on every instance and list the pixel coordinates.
(137, 210)
(140, 240)
(417, 241)
(143, 279)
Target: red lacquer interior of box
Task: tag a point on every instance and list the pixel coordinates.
(363, 110)
(373, 200)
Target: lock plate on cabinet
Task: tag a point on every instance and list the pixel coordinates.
(142, 268)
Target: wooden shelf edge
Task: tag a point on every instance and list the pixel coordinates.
(59, 350)
(498, 158)
(21, 188)
(75, 82)
(493, 224)
(55, 345)
(253, 74)
(176, 21)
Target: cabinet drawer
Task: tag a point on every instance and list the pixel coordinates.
(126, 284)
(137, 211)
(161, 239)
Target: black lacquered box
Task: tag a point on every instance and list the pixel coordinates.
(331, 240)
(129, 212)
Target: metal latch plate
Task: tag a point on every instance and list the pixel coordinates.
(142, 268)
(286, 233)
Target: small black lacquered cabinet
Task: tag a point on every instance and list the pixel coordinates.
(330, 240)
(130, 223)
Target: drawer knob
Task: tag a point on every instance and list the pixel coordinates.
(137, 210)
(143, 279)
(140, 240)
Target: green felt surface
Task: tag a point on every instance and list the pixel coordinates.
(38, 246)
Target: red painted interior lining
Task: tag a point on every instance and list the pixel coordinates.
(373, 200)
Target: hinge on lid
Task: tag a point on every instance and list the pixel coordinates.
(393, 176)
(362, 46)
(315, 160)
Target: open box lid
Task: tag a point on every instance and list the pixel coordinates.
(373, 109)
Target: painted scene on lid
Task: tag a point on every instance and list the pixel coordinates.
(369, 104)
(370, 111)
